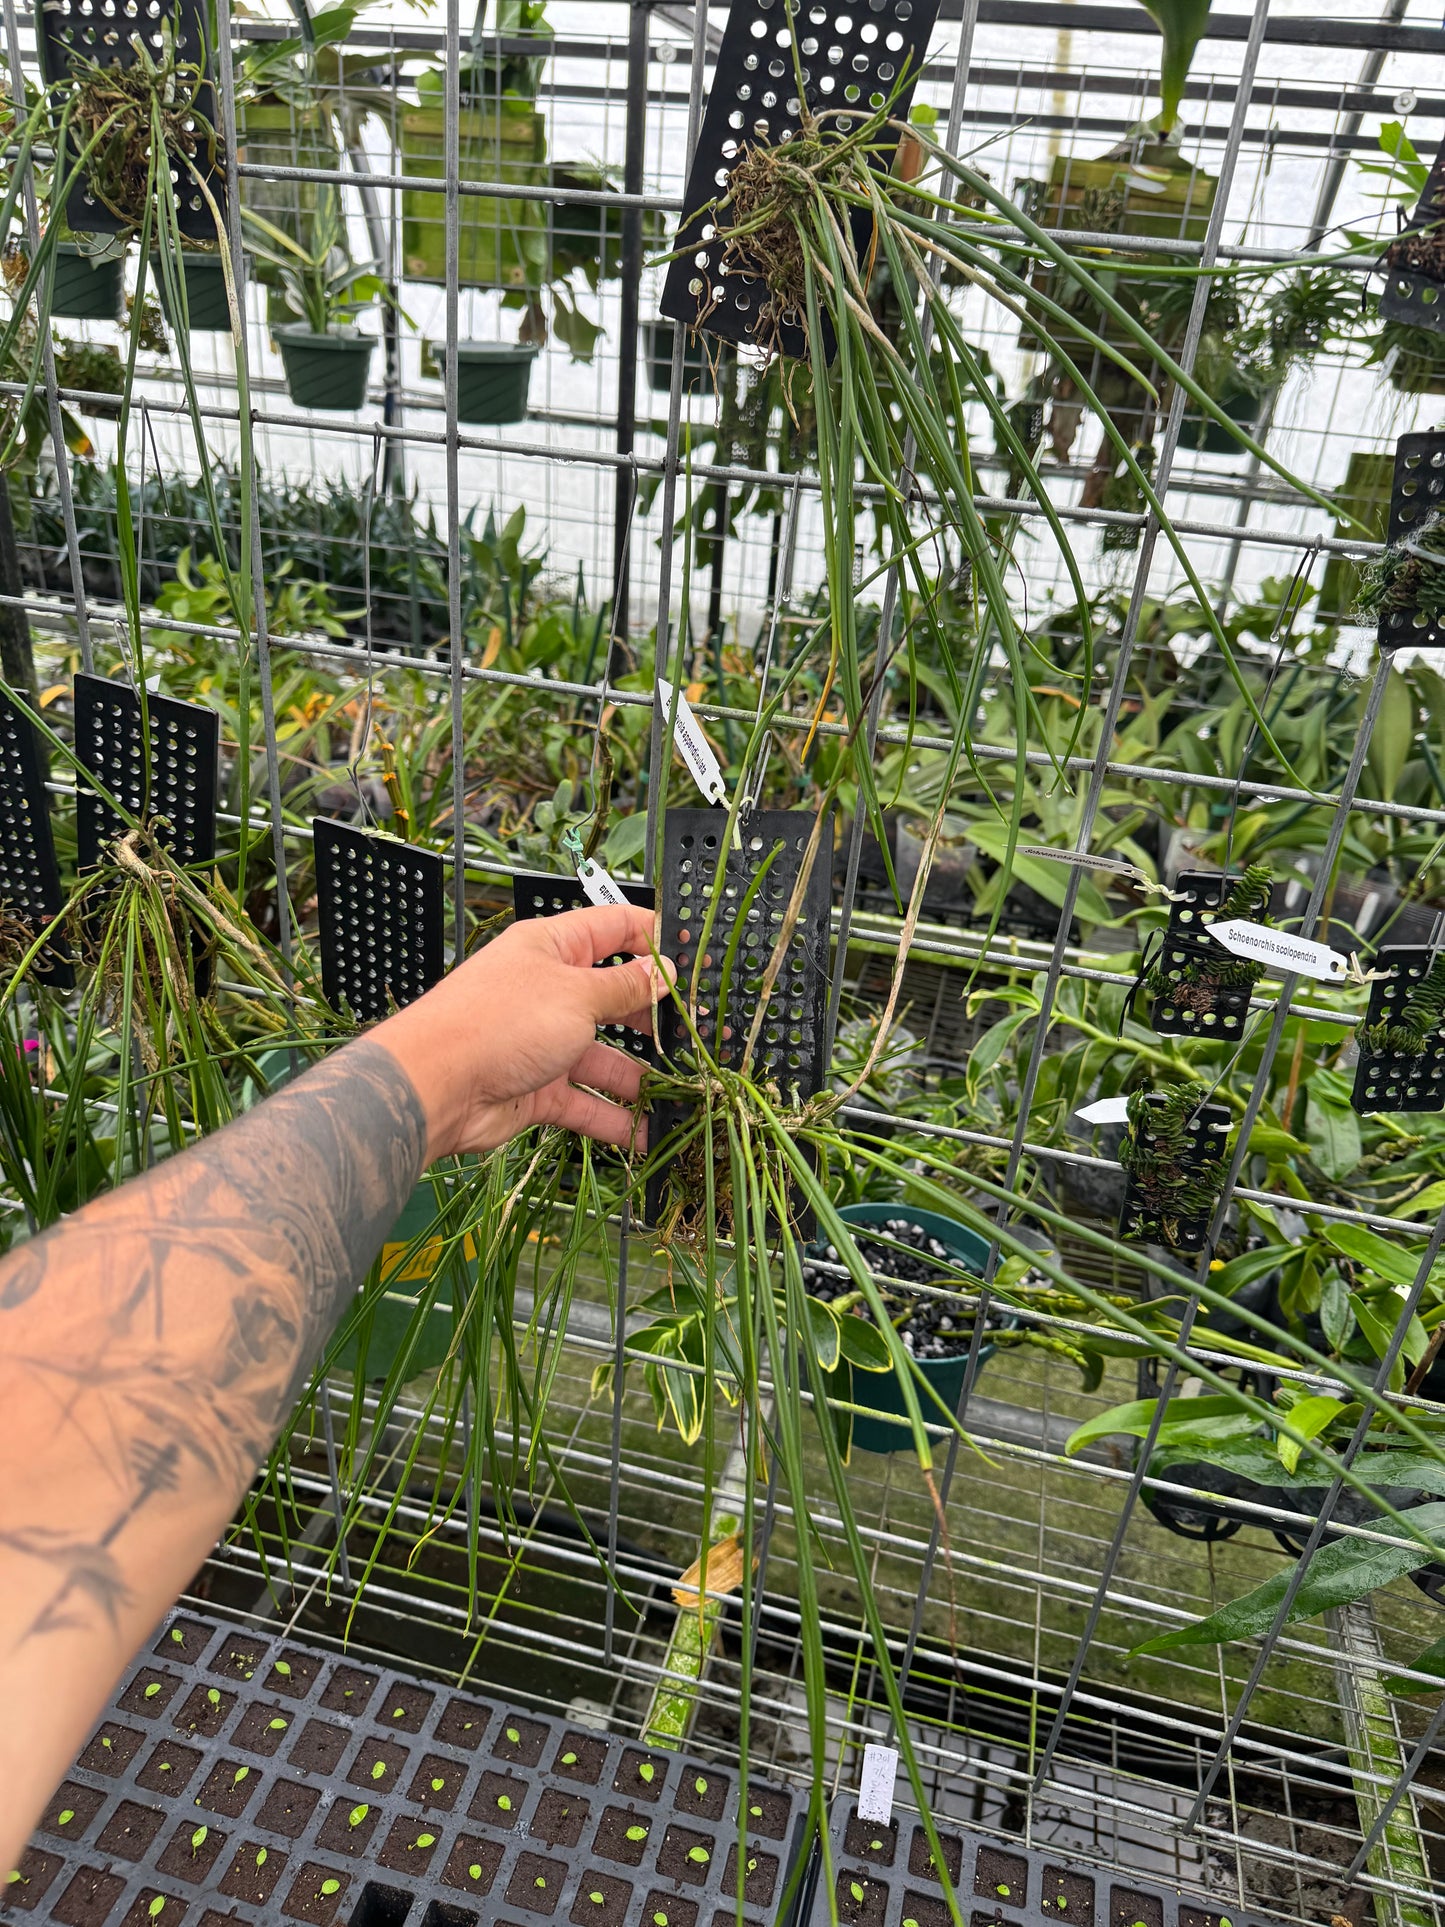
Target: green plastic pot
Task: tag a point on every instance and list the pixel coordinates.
(882, 1392)
(325, 371)
(493, 378)
(501, 243)
(206, 305)
(82, 288)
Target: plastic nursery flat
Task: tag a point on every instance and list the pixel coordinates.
(237, 1780)
(29, 880)
(381, 910)
(883, 1877)
(850, 57)
(1197, 1010)
(546, 896)
(1417, 492)
(1392, 1080)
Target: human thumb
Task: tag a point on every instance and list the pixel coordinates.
(620, 990)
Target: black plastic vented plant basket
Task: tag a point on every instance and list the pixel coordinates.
(247, 1781)
(726, 972)
(1147, 1219)
(1417, 492)
(381, 914)
(30, 893)
(1190, 1008)
(546, 896)
(1396, 1080)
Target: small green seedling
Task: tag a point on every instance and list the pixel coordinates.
(514, 1736)
(261, 1857)
(699, 1786)
(646, 1772)
(426, 1840)
(910, 1922)
(105, 1743)
(1001, 1888)
(276, 1726)
(15, 1874)
(699, 1854)
(569, 1759)
(756, 1812)
(474, 1872)
(398, 1712)
(437, 1785)
(357, 1815)
(213, 1696)
(875, 1846)
(637, 1833)
(752, 1866)
(504, 1801)
(331, 1886)
(379, 1770)
(283, 1669)
(240, 1774)
(659, 1919)
(198, 1839)
(64, 1818)
(157, 1907)
(596, 1899)
(856, 1890)
(164, 1767)
(540, 1881)
(152, 1690)
(178, 1636)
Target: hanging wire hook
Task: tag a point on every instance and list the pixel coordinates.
(368, 815)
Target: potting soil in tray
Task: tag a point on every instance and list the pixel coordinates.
(933, 1328)
(237, 1779)
(884, 1877)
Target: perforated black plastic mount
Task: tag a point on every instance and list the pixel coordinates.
(997, 1883)
(185, 741)
(852, 53)
(546, 896)
(1417, 492)
(790, 1051)
(106, 31)
(29, 881)
(380, 910)
(1392, 1080)
(240, 1786)
(1206, 1134)
(1197, 1010)
(1414, 290)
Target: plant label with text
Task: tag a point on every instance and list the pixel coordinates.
(691, 745)
(875, 1788)
(597, 886)
(1299, 956)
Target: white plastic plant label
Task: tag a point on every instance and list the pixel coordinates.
(1105, 1110)
(597, 886)
(1301, 956)
(875, 1789)
(1083, 860)
(692, 746)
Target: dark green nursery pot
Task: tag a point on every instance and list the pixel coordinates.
(493, 380)
(206, 305)
(82, 288)
(326, 371)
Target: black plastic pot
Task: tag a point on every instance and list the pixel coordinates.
(493, 379)
(82, 288)
(326, 371)
(256, 1780)
(207, 308)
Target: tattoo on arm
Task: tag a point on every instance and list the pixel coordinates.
(193, 1302)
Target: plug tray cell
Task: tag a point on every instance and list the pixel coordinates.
(1417, 492)
(1393, 1080)
(548, 896)
(885, 1877)
(252, 1781)
(1195, 1009)
(380, 918)
(850, 57)
(30, 892)
(1141, 1220)
(107, 32)
(175, 792)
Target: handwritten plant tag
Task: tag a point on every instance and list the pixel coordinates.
(875, 1790)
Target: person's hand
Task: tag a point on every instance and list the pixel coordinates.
(508, 1039)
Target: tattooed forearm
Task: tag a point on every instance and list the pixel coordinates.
(167, 1329)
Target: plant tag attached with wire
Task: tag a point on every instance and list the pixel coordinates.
(875, 1789)
(1301, 956)
(692, 746)
(1085, 860)
(597, 886)
(1105, 1110)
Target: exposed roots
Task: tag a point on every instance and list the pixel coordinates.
(122, 106)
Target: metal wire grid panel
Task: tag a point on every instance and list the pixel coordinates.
(1032, 1719)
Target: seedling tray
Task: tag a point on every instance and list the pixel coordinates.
(1195, 1009)
(179, 802)
(380, 918)
(1414, 290)
(29, 880)
(1141, 1222)
(1390, 1080)
(240, 1780)
(850, 57)
(1416, 493)
(544, 896)
(106, 34)
(997, 1884)
(771, 845)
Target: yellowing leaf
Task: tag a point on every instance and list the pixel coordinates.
(724, 1573)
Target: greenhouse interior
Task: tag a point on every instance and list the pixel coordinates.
(937, 508)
